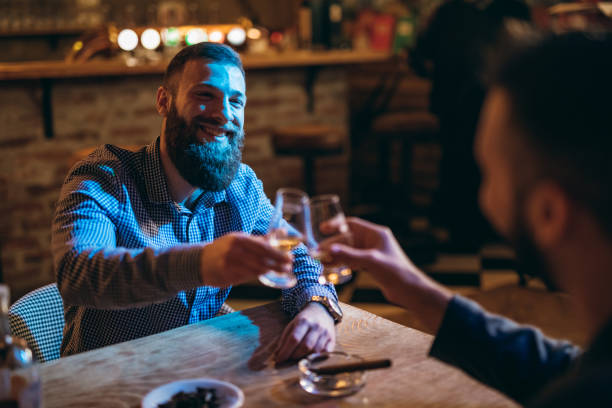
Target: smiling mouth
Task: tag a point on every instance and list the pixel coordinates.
(213, 134)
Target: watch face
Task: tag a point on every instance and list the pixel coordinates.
(332, 307)
(335, 306)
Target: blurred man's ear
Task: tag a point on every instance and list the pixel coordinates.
(163, 101)
(548, 212)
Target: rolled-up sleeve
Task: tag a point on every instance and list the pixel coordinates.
(307, 272)
(91, 268)
(517, 360)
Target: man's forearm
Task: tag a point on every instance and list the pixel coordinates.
(514, 359)
(407, 286)
(116, 278)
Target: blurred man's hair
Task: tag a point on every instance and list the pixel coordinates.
(213, 52)
(560, 90)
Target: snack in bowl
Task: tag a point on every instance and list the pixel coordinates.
(195, 392)
(201, 398)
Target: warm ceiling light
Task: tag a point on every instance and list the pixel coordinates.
(236, 36)
(171, 36)
(195, 36)
(254, 33)
(216, 36)
(127, 39)
(150, 39)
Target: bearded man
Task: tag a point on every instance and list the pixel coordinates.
(544, 145)
(150, 240)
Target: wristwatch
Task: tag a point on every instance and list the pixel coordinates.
(332, 307)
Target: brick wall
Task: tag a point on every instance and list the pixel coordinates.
(89, 112)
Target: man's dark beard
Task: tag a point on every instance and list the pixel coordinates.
(529, 260)
(209, 166)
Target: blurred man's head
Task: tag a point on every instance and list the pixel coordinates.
(545, 144)
(202, 101)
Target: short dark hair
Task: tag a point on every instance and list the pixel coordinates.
(560, 91)
(206, 50)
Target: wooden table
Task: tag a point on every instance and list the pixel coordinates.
(235, 348)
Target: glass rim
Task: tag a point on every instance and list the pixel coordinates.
(334, 198)
(292, 192)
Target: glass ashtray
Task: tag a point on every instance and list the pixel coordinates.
(331, 385)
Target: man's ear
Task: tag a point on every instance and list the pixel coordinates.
(548, 212)
(163, 101)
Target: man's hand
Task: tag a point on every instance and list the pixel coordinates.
(311, 331)
(238, 257)
(375, 250)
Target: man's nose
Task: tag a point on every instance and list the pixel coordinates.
(222, 111)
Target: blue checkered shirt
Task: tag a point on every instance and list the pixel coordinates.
(127, 256)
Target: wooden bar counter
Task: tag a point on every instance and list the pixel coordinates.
(116, 67)
(236, 347)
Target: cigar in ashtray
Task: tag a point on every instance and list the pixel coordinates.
(352, 367)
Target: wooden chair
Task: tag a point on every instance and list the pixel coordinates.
(390, 115)
(407, 128)
(38, 318)
(310, 142)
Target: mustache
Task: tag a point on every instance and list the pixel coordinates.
(182, 125)
(216, 124)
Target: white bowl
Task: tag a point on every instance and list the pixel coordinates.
(228, 395)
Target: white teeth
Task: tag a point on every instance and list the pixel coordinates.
(216, 134)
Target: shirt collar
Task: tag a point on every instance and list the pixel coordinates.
(154, 175)
(157, 184)
(210, 198)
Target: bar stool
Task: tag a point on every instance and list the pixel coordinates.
(408, 128)
(310, 142)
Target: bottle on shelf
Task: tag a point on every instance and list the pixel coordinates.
(405, 28)
(335, 37)
(20, 385)
(305, 25)
(350, 10)
(319, 24)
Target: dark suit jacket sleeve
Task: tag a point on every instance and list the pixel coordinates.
(516, 360)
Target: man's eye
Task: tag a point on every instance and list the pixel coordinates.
(205, 95)
(237, 102)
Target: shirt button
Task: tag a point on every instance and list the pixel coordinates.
(194, 314)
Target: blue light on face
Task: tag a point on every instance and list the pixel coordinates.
(202, 108)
